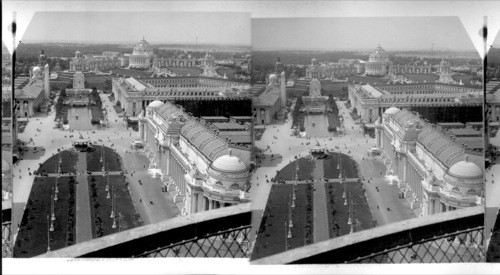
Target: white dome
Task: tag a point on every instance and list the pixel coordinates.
(392, 111)
(37, 69)
(273, 78)
(379, 55)
(230, 164)
(155, 104)
(143, 47)
(465, 169)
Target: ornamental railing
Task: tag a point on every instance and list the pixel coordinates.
(450, 237)
(216, 233)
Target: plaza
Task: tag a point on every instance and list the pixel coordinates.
(284, 147)
(43, 140)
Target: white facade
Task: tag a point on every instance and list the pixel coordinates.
(435, 174)
(142, 56)
(201, 170)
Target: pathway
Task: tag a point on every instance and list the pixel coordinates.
(83, 219)
(320, 228)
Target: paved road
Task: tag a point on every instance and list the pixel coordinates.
(83, 219)
(320, 128)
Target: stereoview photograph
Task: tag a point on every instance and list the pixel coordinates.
(133, 135)
(369, 140)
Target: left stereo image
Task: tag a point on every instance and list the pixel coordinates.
(131, 135)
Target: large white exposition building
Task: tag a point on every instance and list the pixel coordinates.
(204, 163)
(437, 172)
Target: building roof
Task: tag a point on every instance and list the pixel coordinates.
(265, 99)
(392, 111)
(168, 110)
(138, 85)
(155, 104)
(374, 92)
(229, 164)
(228, 126)
(237, 136)
(465, 169)
(465, 132)
(205, 141)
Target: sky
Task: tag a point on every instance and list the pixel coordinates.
(344, 33)
(156, 27)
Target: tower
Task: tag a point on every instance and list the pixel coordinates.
(46, 82)
(42, 59)
(283, 89)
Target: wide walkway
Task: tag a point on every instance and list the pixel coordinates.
(320, 228)
(83, 219)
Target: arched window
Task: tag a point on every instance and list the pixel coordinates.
(471, 191)
(218, 183)
(455, 189)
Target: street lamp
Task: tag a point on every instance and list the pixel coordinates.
(112, 205)
(55, 192)
(53, 218)
(48, 233)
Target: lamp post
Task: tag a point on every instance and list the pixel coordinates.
(48, 232)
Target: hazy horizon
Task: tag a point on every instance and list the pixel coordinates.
(214, 28)
(342, 33)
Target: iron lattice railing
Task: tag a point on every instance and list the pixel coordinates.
(454, 236)
(221, 232)
(232, 243)
(6, 240)
(457, 247)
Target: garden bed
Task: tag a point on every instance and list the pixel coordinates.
(305, 171)
(272, 235)
(111, 158)
(68, 163)
(338, 213)
(333, 116)
(349, 169)
(32, 238)
(125, 212)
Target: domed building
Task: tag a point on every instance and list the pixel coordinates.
(434, 172)
(378, 63)
(199, 163)
(142, 56)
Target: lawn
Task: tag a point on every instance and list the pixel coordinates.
(110, 157)
(272, 235)
(126, 215)
(349, 169)
(333, 116)
(32, 238)
(305, 171)
(68, 163)
(338, 213)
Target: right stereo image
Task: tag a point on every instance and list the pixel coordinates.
(370, 144)
(492, 156)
